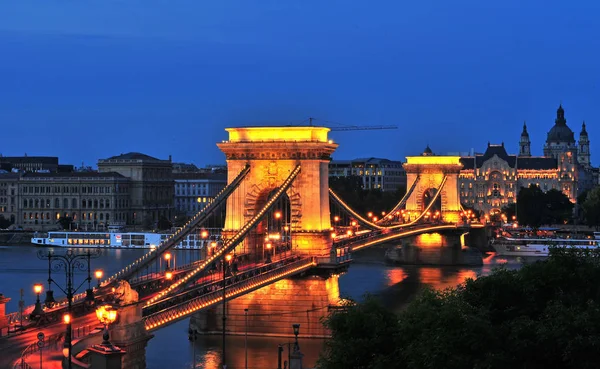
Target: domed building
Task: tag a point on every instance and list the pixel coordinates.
(560, 137)
(491, 180)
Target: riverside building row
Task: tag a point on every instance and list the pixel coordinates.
(129, 190)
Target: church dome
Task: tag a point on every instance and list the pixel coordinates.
(560, 132)
(427, 151)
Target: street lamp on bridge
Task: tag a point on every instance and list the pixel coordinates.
(37, 311)
(106, 315)
(226, 263)
(70, 262)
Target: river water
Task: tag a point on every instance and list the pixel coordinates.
(20, 268)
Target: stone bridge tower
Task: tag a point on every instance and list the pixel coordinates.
(431, 170)
(273, 152)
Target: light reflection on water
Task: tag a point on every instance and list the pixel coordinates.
(170, 348)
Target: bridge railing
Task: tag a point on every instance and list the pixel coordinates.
(182, 309)
(50, 343)
(402, 201)
(217, 283)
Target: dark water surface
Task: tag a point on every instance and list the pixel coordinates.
(20, 268)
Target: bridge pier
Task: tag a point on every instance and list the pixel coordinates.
(434, 249)
(273, 309)
(129, 334)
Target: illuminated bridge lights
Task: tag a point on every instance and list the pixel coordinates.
(206, 210)
(197, 304)
(234, 240)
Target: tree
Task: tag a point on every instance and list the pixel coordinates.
(163, 223)
(4, 223)
(531, 203)
(510, 210)
(545, 315)
(591, 207)
(180, 220)
(559, 209)
(65, 222)
(359, 335)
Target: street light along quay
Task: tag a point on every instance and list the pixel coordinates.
(70, 262)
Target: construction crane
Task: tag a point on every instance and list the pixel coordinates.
(354, 128)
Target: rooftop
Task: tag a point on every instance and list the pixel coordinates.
(132, 156)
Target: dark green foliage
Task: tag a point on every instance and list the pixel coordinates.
(534, 207)
(545, 315)
(362, 201)
(163, 223)
(180, 220)
(4, 223)
(509, 210)
(531, 203)
(559, 209)
(65, 222)
(591, 207)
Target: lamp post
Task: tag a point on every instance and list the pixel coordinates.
(269, 247)
(296, 332)
(228, 258)
(193, 335)
(106, 315)
(168, 259)
(246, 339)
(69, 263)
(98, 273)
(37, 311)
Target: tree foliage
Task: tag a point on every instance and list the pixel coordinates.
(180, 220)
(65, 222)
(163, 223)
(363, 201)
(534, 207)
(545, 315)
(4, 223)
(591, 207)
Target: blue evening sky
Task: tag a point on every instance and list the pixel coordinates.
(90, 79)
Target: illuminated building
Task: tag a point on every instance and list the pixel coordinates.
(491, 180)
(375, 173)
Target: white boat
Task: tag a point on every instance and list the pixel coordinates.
(131, 240)
(522, 246)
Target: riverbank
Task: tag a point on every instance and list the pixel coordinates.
(15, 238)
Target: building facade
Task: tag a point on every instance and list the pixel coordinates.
(376, 173)
(150, 186)
(491, 180)
(91, 200)
(193, 191)
(9, 196)
(29, 163)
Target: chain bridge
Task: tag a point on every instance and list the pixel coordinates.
(285, 237)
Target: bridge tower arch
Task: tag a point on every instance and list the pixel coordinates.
(432, 171)
(272, 153)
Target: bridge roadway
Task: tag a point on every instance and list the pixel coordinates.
(377, 237)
